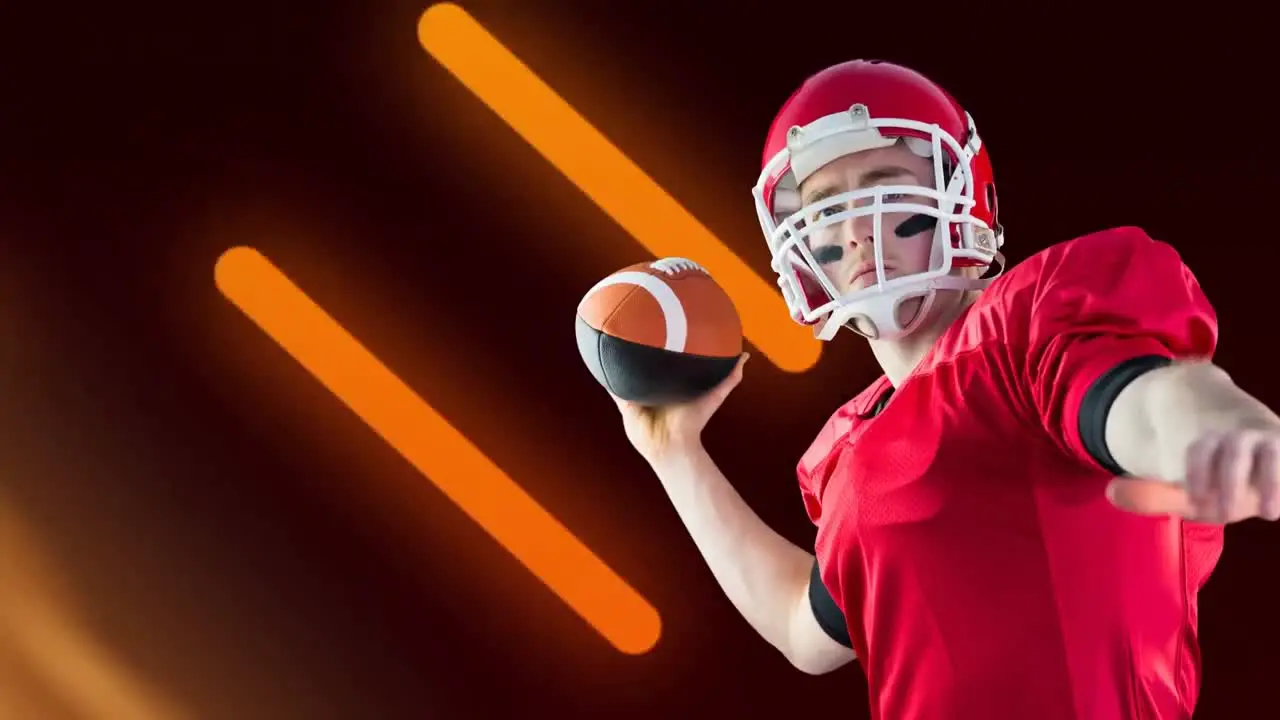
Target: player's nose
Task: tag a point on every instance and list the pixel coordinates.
(858, 231)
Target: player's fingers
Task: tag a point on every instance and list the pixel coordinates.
(1148, 497)
(1230, 474)
(626, 407)
(727, 385)
(1266, 474)
(1201, 464)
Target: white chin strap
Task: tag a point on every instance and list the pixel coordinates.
(876, 316)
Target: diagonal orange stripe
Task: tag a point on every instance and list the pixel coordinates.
(440, 452)
(609, 177)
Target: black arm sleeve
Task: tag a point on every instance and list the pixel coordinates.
(825, 609)
(1097, 405)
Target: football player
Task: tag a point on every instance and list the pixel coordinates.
(1015, 519)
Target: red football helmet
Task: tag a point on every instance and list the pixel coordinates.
(862, 105)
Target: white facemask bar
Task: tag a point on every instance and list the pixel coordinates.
(788, 243)
(786, 238)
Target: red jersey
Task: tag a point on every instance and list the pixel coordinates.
(964, 532)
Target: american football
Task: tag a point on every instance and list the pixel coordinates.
(659, 332)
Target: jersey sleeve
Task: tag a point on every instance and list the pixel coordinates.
(1101, 310)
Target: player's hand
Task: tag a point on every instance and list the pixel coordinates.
(1230, 476)
(657, 432)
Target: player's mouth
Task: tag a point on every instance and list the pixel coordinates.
(867, 273)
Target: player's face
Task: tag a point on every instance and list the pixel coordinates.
(845, 250)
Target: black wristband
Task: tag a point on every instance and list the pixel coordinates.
(1097, 402)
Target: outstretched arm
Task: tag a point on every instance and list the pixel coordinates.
(1194, 443)
(1115, 340)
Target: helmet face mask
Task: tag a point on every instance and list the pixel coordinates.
(960, 205)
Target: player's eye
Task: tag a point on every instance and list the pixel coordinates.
(895, 197)
(827, 254)
(829, 211)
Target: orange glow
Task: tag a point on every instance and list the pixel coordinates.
(606, 175)
(435, 448)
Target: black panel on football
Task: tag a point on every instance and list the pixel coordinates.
(648, 375)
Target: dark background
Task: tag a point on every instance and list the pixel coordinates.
(236, 544)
